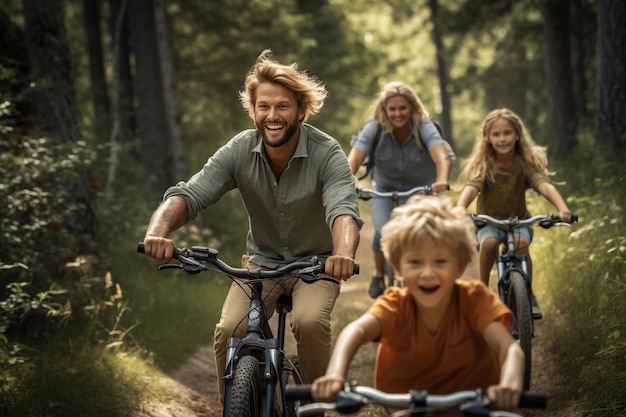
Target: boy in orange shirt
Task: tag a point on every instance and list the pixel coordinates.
(438, 333)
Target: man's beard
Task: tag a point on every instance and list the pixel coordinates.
(291, 130)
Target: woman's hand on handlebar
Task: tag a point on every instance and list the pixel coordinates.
(439, 187)
(339, 267)
(159, 248)
(325, 388)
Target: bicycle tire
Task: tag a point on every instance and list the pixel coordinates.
(518, 301)
(246, 394)
(291, 375)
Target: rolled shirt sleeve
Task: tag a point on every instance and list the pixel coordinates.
(290, 219)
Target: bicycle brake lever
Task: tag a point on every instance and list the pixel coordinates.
(189, 265)
(171, 266)
(308, 274)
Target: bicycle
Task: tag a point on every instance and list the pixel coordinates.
(513, 282)
(413, 404)
(257, 366)
(397, 197)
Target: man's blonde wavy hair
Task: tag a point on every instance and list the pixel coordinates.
(310, 92)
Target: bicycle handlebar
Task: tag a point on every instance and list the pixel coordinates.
(544, 220)
(368, 193)
(199, 258)
(353, 397)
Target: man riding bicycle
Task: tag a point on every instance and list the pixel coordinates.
(296, 184)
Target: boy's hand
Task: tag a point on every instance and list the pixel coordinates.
(503, 398)
(325, 388)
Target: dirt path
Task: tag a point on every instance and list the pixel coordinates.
(194, 389)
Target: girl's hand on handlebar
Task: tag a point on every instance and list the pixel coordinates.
(339, 267)
(565, 216)
(439, 187)
(159, 248)
(325, 388)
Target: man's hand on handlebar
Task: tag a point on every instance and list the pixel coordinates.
(159, 248)
(339, 267)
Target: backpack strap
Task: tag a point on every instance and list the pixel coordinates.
(370, 159)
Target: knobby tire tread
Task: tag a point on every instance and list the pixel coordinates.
(519, 303)
(247, 389)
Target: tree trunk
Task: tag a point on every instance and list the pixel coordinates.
(561, 104)
(152, 120)
(611, 123)
(583, 36)
(52, 97)
(101, 104)
(179, 156)
(126, 94)
(442, 72)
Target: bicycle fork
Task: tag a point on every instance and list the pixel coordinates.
(260, 343)
(506, 264)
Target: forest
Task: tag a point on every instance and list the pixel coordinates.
(106, 103)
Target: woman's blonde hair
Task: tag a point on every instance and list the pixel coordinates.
(481, 165)
(394, 89)
(428, 217)
(310, 92)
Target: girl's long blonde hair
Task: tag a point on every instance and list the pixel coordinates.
(481, 164)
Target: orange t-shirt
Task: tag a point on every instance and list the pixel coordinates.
(455, 358)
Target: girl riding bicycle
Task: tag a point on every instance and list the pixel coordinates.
(504, 164)
(438, 333)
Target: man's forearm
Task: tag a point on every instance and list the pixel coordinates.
(168, 217)
(346, 236)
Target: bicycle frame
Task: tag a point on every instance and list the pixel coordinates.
(511, 261)
(265, 369)
(514, 287)
(260, 342)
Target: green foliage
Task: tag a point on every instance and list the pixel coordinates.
(585, 275)
(68, 380)
(36, 204)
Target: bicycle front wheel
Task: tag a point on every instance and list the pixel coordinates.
(291, 375)
(246, 394)
(518, 301)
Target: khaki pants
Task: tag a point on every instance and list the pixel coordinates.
(310, 321)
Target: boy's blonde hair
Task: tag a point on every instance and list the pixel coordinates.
(481, 165)
(310, 92)
(428, 217)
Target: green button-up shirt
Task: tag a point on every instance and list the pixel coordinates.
(290, 219)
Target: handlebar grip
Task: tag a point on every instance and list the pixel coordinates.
(574, 218)
(301, 392)
(533, 399)
(357, 269)
(142, 249)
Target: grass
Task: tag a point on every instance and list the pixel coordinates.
(162, 317)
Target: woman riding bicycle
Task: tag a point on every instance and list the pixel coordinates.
(296, 184)
(505, 163)
(409, 153)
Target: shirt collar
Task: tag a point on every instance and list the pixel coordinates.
(301, 148)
